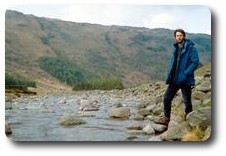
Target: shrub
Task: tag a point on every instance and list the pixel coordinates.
(62, 69)
(107, 83)
(11, 80)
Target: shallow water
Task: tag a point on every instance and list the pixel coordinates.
(36, 118)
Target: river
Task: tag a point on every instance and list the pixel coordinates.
(35, 118)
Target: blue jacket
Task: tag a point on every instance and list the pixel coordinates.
(187, 64)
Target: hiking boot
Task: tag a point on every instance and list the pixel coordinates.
(163, 121)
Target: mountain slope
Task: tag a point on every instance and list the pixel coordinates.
(134, 55)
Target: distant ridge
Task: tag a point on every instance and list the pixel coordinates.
(80, 51)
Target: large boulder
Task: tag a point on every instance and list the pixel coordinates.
(69, 120)
(200, 117)
(121, 112)
(175, 133)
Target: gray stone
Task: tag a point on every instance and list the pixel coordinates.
(175, 133)
(148, 130)
(68, 120)
(155, 138)
(135, 126)
(200, 117)
(198, 95)
(137, 117)
(136, 132)
(205, 87)
(8, 129)
(158, 127)
(121, 112)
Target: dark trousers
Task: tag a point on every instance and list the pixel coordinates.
(170, 94)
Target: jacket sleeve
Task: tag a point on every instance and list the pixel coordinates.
(194, 61)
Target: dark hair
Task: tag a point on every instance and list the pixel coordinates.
(179, 30)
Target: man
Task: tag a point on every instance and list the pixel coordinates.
(180, 75)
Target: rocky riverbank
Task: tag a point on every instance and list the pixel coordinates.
(116, 115)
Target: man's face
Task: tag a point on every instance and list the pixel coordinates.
(179, 37)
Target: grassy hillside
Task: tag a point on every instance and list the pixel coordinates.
(62, 53)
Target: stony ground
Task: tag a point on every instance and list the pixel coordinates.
(117, 115)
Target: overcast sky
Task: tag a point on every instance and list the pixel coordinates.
(194, 19)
